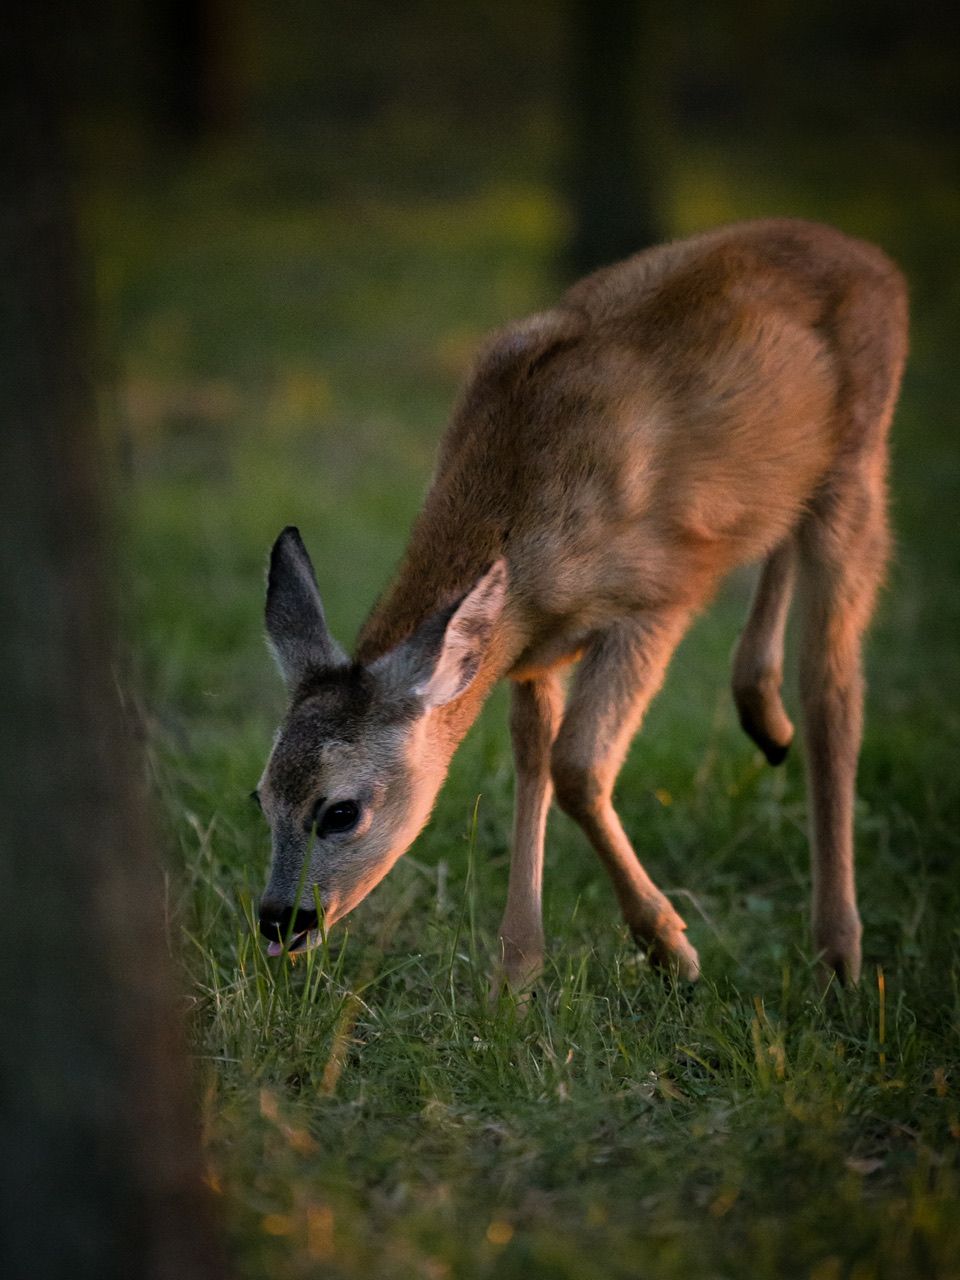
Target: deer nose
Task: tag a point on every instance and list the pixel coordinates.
(275, 921)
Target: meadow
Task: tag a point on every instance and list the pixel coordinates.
(365, 1111)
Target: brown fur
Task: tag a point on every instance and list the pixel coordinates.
(707, 403)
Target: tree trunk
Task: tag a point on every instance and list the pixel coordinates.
(197, 65)
(99, 1163)
(616, 165)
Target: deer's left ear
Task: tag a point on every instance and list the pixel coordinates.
(440, 660)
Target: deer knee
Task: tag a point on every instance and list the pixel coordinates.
(576, 785)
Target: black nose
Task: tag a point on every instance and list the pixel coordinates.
(275, 921)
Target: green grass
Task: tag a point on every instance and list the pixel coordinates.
(366, 1112)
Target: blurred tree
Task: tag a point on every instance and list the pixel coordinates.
(616, 172)
(99, 1164)
(199, 81)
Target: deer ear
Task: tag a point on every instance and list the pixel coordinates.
(296, 627)
(440, 660)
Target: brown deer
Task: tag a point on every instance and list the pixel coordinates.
(704, 404)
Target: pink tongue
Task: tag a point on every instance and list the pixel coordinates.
(276, 948)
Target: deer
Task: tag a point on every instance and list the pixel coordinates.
(705, 404)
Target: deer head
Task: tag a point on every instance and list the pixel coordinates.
(357, 762)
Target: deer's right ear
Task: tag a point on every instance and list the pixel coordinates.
(440, 660)
(296, 626)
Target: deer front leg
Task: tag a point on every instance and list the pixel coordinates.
(612, 689)
(534, 716)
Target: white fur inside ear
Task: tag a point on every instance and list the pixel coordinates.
(466, 639)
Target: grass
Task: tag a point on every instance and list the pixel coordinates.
(365, 1112)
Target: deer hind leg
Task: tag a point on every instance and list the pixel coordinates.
(843, 550)
(534, 716)
(612, 688)
(758, 660)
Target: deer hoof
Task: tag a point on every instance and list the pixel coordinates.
(673, 955)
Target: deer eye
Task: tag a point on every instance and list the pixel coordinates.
(341, 816)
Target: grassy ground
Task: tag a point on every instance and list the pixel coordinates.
(366, 1113)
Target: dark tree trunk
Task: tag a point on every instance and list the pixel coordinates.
(616, 157)
(198, 75)
(99, 1164)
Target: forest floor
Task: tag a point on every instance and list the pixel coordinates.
(365, 1112)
